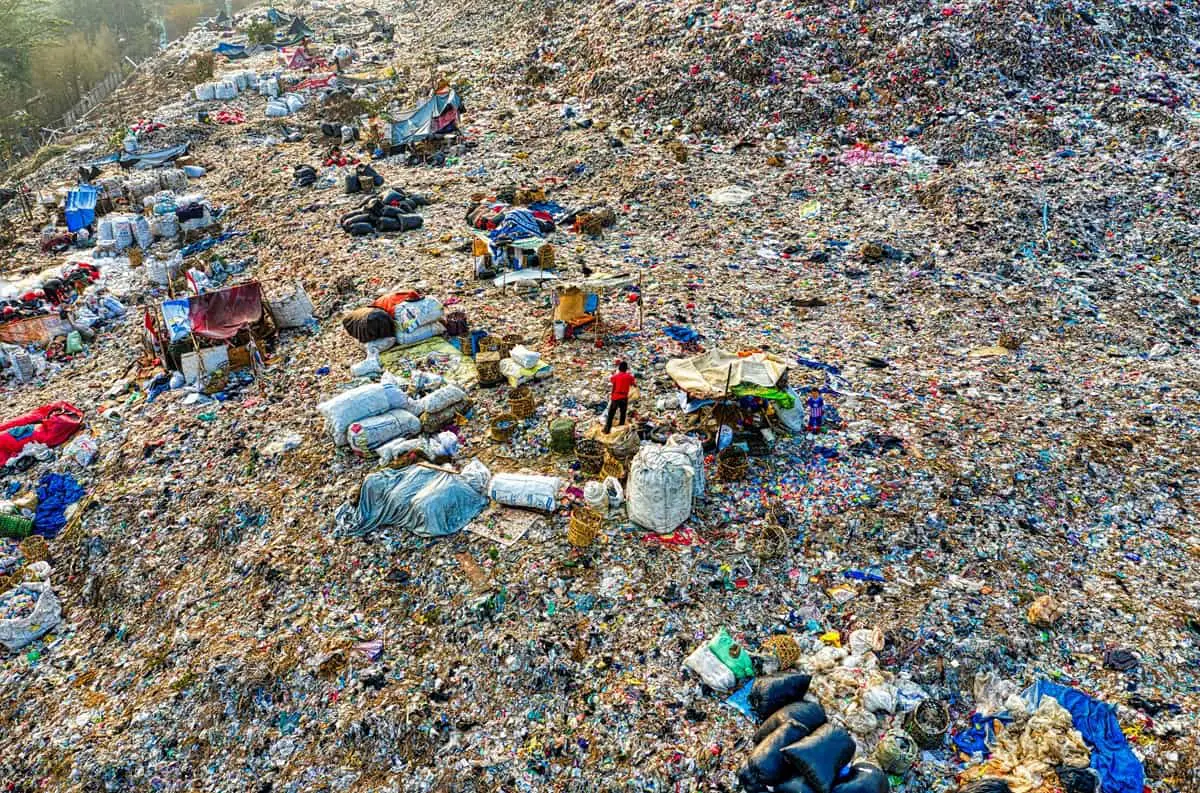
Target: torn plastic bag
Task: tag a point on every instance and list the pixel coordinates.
(708, 666)
(767, 764)
(44, 617)
(770, 693)
(810, 714)
(819, 757)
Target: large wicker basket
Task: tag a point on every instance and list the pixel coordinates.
(583, 527)
(591, 456)
(732, 464)
(503, 427)
(521, 402)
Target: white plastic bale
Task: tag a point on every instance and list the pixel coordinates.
(596, 496)
(368, 434)
(525, 490)
(354, 405)
(45, 617)
(413, 314)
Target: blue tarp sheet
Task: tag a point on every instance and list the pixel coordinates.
(425, 501)
(1119, 769)
(145, 159)
(231, 51)
(438, 114)
(81, 207)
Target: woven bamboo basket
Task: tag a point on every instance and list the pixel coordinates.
(612, 467)
(732, 464)
(509, 341)
(927, 724)
(583, 527)
(784, 648)
(772, 541)
(503, 427)
(35, 549)
(521, 402)
(591, 456)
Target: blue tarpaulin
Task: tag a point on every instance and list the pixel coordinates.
(1119, 769)
(437, 114)
(231, 51)
(81, 207)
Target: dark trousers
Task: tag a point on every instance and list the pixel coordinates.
(613, 406)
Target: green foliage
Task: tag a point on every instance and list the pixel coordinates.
(260, 31)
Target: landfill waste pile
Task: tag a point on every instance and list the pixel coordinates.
(632, 396)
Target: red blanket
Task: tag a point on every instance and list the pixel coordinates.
(51, 424)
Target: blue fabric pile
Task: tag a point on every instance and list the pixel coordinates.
(55, 493)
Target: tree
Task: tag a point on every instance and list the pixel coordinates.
(24, 24)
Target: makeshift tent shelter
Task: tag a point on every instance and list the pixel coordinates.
(717, 374)
(278, 18)
(81, 207)
(438, 115)
(142, 159)
(215, 315)
(577, 304)
(297, 59)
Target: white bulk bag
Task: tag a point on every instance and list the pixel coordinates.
(659, 490)
(693, 449)
(412, 314)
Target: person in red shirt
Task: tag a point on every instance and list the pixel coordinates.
(622, 381)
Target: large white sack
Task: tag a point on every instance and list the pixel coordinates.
(358, 403)
(444, 398)
(693, 449)
(411, 315)
(525, 490)
(368, 434)
(659, 490)
(794, 419)
(45, 617)
(525, 357)
(419, 334)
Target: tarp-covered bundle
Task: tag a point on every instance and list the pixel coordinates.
(215, 315)
(428, 502)
(437, 115)
(716, 374)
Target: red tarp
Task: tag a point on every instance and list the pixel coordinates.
(52, 425)
(220, 315)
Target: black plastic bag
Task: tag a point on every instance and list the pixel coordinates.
(819, 757)
(863, 778)
(810, 714)
(369, 324)
(766, 764)
(769, 694)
